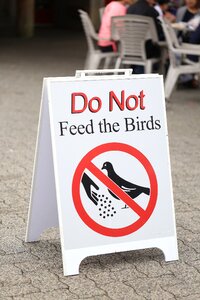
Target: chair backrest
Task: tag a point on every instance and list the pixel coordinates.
(91, 35)
(170, 34)
(132, 31)
(152, 32)
(171, 39)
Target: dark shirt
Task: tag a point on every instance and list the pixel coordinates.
(194, 39)
(186, 36)
(142, 8)
(195, 36)
(188, 16)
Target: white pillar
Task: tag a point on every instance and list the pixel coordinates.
(25, 17)
(94, 11)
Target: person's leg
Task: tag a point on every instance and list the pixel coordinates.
(152, 49)
(137, 69)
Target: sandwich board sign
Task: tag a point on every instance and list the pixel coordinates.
(102, 168)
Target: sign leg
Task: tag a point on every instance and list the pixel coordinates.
(169, 247)
(43, 206)
(72, 260)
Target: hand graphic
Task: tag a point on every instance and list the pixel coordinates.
(88, 183)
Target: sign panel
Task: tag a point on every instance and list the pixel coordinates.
(111, 166)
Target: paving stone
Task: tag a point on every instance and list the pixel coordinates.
(113, 262)
(17, 258)
(179, 290)
(102, 277)
(10, 244)
(190, 297)
(130, 272)
(184, 271)
(189, 256)
(11, 220)
(43, 250)
(98, 298)
(187, 236)
(96, 272)
(196, 245)
(190, 221)
(195, 264)
(151, 268)
(30, 266)
(45, 280)
(63, 294)
(82, 286)
(153, 288)
(11, 275)
(143, 255)
(119, 290)
(17, 290)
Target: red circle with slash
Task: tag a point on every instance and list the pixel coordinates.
(86, 163)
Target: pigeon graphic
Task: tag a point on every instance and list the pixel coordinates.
(129, 188)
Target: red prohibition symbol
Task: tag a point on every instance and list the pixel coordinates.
(86, 163)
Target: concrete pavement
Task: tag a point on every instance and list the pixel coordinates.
(34, 271)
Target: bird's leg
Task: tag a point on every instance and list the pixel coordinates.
(126, 206)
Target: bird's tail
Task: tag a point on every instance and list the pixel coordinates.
(146, 191)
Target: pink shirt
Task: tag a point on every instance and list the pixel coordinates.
(113, 9)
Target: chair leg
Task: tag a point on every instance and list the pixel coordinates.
(170, 81)
(163, 58)
(148, 67)
(107, 62)
(118, 63)
(87, 61)
(93, 62)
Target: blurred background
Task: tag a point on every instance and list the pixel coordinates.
(24, 17)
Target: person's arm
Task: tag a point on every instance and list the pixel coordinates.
(113, 10)
(116, 10)
(170, 17)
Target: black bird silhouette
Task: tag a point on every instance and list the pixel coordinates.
(129, 188)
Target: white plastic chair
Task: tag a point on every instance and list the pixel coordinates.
(178, 66)
(94, 55)
(132, 31)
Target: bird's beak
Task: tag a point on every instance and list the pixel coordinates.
(102, 168)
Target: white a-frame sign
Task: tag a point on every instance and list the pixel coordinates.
(102, 153)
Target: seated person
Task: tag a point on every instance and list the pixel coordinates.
(194, 38)
(162, 8)
(186, 14)
(174, 6)
(189, 11)
(145, 8)
(114, 8)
